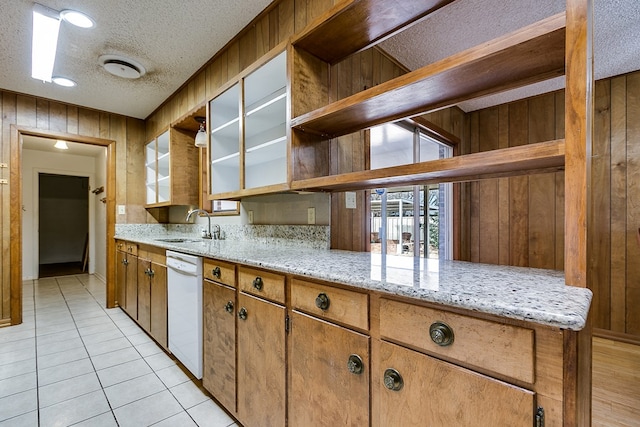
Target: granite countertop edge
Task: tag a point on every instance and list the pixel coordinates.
(550, 302)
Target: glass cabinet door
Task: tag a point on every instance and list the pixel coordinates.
(224, 153)
(265, 119)
(157, 166)
(150, 167)
(163, 168)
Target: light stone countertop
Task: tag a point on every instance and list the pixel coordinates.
(534, 295)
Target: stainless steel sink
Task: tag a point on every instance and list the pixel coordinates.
(176, 240)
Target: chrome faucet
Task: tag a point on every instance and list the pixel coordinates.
(208, 235)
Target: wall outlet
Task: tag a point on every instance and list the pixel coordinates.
(250, 217)
(350, 199)
(121, 209)
(311, 215)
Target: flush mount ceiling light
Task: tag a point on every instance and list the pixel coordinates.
(63, 81)
(46, 23)
(46, 26)
(76, 18)
(121, 66)
(201, 136)
(61, 145)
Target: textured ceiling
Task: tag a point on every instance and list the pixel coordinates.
(173, 39)
(467, 23)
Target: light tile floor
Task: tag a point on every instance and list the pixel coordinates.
(74, 362)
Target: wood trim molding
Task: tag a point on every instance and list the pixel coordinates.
(617, 336)
(15, 219)
(15, 213)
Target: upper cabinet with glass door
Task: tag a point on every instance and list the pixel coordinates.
(224, 152)
(265, 126)
(171, 165)
(249, 124)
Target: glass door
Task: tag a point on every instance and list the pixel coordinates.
(414, 221)
(224, 153)
(163, 168)
(157, 166)
(265, 132)
(150, 157)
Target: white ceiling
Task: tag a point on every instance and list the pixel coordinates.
(467, 23)
(171, 39)
(174, 39)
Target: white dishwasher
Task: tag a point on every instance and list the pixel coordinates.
(184, 306)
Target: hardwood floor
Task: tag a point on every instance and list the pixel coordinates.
(616, 383)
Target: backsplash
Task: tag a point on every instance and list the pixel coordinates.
(304, 236)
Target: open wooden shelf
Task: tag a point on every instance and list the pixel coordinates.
(248, 192)
(526, 159)
(529, 55)
(354, 25)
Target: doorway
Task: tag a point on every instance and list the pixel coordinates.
(63, 224)
(13, 264)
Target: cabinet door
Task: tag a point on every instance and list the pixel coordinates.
(144, 294)
(219, 347)
(159, 304)
(121, 278)
(265, 115)
(131, 299)
(151, 173)
(224, 148)
(327, 390)
(261, 362)
(437, 393)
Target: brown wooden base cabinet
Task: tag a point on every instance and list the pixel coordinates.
(127, 277)
(219, 346)
(416, 389)
(330, 374)
(261, 362)
(152, 293)
(355, 357)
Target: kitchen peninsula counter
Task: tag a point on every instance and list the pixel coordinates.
(533, 295)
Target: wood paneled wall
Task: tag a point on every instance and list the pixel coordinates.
(45, 116)
(350, 228)
(516, 221)
(520, 221)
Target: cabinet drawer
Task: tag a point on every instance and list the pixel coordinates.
(219, 271)
(124, 246)
(153, 254)
(343, 306)
(504, 349)
(261, 283)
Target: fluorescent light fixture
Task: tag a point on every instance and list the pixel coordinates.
(46, 23)
(63, 81)
(61, 145)
(76, 18)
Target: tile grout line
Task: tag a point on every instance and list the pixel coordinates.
(141, 356)
(67, 299)
(95, 371)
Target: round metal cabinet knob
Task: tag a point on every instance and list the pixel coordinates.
(242, 313)
(322, 301)
(216, 272)
(393, 380)
(257, 283)
(441, 334)
(355, 364)
(229, 307)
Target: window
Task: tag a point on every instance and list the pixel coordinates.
(414, 220)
